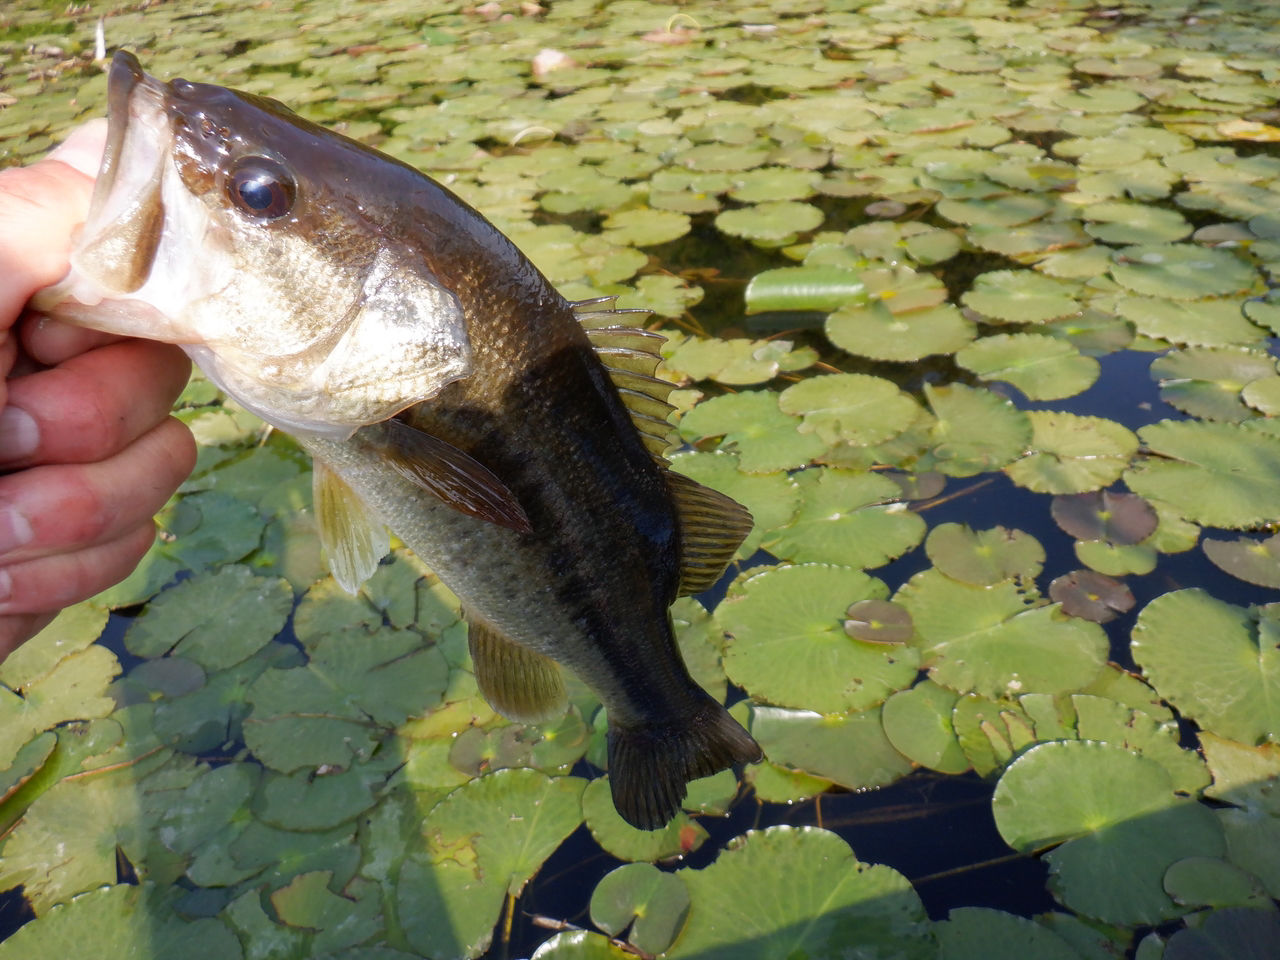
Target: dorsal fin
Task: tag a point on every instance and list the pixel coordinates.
(631, 356)
(712, 527)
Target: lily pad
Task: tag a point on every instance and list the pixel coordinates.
(832, 900)
(1182, 271)
(976, 431)
(878, 621)
(1215, 474)
(765, 438)
(1183, 637)
(850, 407)
(803, 288)
(679, 837)
(771, 222)
(640, 896)
(1231, 934)
(918, 724)
(1254, 561)
(1195, 322)
(1091, 596)
(985, 557)
(1119, 518)
(1043, 368)
(1021, 296)
(787, 644)
(979, 933)
(1072, 454)
(1122, 824)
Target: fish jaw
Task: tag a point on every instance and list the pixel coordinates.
(316, 320)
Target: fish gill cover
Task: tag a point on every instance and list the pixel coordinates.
(919, 263)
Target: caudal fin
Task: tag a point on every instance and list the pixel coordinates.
(650, 766)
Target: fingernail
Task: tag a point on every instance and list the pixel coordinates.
(15, 529)
(19, 434)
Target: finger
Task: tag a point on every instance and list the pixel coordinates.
(40, 206)
(16, 629)
(50, 583)
(50, 341)
(63, 508)
(92, 406)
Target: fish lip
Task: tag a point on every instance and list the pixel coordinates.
(123, 76)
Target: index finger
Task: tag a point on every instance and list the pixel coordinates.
(40, 208)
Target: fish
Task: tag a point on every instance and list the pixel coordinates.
(444, 389)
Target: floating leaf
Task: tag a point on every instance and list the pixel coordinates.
(765, 438)
(1183, 637)
(619, 838)
(979, 933)
(1021, 296)
(1072, 454)
(1043, 368)
(1181, 271)
(1197, 322)
(1216, 474)
(803, 288)
(907, 320)
(216, 619)
(1122, 824)
(918, 724)
(770, 222)
(1232, 934)
(1119, 518)
(831, 900)
(1207, 381)
(500, 827)
(640, 896)
(787, 643)
(1091, 596)
(1116, 561)
(1008, 210)
(645, 228)
(843, 519)
(985, 557)
(1134, 223)
(852, 407)
(849, 749)
(976, 430)
(1254, 561)
(991, 641)
(878, 621)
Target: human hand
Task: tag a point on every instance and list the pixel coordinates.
(88, 451)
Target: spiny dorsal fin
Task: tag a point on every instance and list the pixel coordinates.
(712, 527)
(354, 539)
(521, 685)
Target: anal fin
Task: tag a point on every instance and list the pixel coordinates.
(354, 539)
(446, 472)
(712, 527)
(521, 685)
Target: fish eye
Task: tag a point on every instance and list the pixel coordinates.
(261, 188)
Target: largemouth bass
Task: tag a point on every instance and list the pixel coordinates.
(444, 390)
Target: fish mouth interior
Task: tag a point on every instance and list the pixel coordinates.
(124, 74)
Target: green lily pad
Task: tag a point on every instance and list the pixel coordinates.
(1021, 296)
(907, 319)
(1182, 271)
(1106, 721)
(125, 921)
(1254, 561)
(992, 641)
(1008, 210)
(979, 933)
(573, 945)
(850, 407)
(843, 519)
(976, 431)
(1196, 322)
(501, 827)
(1207, 381)
(1215, 474)
(640, 896)
(985, 557)
(831, 901)
(1072, 454)
(1134, 223)
(679, 837)
(1116, 561)
(216, 619)
(1209, 882)
(1230, 934)
(1263, 395)
(1043, 368)
(770, 222)
(787, 644)
(1122, 519)
(765, 438)
(1121, 821)
(803, 288)
(645, 228)
(918, 724)
(1182, 637)
(849, 749)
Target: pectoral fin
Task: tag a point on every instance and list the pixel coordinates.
(521, 685)
(446, 472)
(354, 539)
(712, 527)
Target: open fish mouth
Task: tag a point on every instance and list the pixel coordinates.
(126, 213)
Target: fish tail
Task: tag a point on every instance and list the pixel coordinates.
(650, 765)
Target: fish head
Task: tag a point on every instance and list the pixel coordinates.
(267, 247)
